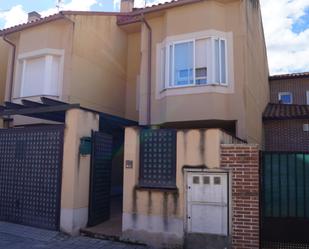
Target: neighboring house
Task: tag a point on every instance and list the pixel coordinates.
(286, 118)
(77, 58)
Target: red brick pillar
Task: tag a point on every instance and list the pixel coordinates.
(243, 161)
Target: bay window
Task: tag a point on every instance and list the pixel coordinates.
(194, 62)
(41, 73)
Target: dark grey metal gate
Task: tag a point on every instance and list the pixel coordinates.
(100, 178)
(285, 197)
(30, 175)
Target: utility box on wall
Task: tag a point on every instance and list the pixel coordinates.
(85, 146)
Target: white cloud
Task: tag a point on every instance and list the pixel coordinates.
(287, 51)
(17, 15)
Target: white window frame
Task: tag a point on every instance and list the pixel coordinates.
(169, 72)
(214, 61)
(285, 93)
(48, 55)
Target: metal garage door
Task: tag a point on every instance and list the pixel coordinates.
(207, 197)
(30, 175)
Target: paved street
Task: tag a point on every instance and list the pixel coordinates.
(20, 237)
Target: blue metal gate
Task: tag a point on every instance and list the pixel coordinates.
(30, 175)
(100, 178)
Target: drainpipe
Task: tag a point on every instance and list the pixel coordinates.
(149, 69)
(12, 67)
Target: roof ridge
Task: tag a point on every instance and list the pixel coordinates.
(289, 75)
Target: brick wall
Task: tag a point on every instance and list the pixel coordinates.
(286, 135)
(243, 161)
(297, 86)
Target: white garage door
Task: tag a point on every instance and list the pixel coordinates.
(207, 197)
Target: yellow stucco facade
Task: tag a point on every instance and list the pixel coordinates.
(145, 210)
(105, 64)
(246, 96)
(94, 56)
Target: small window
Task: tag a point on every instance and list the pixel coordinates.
(196, 180)
(307, 97)
(206, 180)
(157, 158)
(217, 180)
(285, 98)
(306, 127)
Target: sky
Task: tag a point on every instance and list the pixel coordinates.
(286, 25)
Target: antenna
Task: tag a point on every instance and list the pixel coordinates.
(59, 5)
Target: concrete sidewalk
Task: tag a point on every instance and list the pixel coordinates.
(14, 236)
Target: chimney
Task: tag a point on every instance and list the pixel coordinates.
(126, 5)
(33, 16)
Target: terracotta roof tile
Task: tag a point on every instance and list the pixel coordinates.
(283, 111)
(158, 4)
(31, 24)
(134, 16)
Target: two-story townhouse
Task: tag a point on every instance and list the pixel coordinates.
(66, 59)
(82, 55)
(286, 118)
(199, 73)
(197, 65)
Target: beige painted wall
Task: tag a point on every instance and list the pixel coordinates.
(99, 64)
(246, 102)
(144, 207)
(133, 67)
(95, 61)
(4, 55)
(256, 73)
(76, 171)
(54, 35)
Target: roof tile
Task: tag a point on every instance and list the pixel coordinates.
(284, 111)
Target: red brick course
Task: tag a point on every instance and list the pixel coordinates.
(243, 161)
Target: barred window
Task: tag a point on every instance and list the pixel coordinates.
(158, 158)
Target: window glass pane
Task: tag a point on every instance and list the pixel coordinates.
(183, 64)
(33, 77)
(223, 61)
(285, 98)
(217, 62)
(201, 69)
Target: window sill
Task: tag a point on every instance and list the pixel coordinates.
(157, 189)
(37, 96)
(193, 86)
